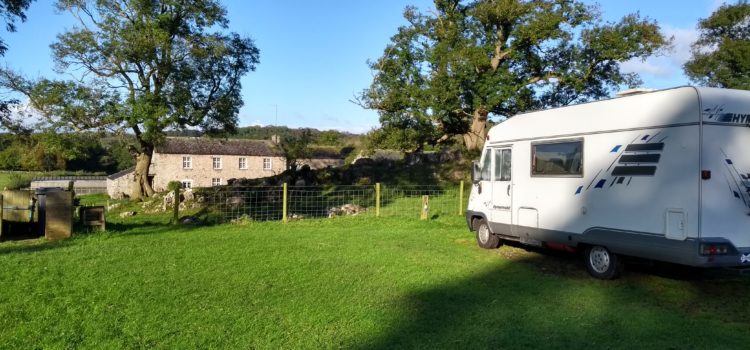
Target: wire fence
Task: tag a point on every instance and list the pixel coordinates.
(284, 203)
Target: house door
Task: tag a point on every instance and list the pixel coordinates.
(502, 189)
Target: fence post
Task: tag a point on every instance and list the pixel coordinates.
(461, 199)
(284, 203)
(425, 207)
(377, 199)
(1, 214)
(176, 206)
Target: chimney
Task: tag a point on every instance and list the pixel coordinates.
(276, 139)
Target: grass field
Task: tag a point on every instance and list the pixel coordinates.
(345, 283)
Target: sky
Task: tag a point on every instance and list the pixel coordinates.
(313, 54)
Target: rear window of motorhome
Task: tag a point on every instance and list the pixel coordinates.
(557, 159)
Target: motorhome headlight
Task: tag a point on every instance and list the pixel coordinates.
(714, 249)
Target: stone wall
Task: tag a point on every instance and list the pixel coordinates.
(79, 186)
(168, 167)
(121, 186)
(320, 163)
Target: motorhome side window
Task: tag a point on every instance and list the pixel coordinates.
(502, 164)
(557, 159)
(484, 175)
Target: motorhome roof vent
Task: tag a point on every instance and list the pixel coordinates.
(636, 91)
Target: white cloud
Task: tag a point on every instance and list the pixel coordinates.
(666, 68)
(648, 67)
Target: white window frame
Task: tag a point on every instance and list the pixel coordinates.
(187, 183)
(214, 183)
(270, 164)
(243, 163)
(214, 161)
(187, 162)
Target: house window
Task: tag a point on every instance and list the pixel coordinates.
(187, 162)
(557, 159)
(243, 163)
(187, 184)
(266, 163)
(216, 182)
(216, 162)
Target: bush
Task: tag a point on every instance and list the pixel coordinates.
(173, 185)
(18, 181)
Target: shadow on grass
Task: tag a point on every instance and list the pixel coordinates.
(32, 246)
(548, 301)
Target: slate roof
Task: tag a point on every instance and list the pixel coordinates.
(209, 146)
(324, 153)
(122, 173)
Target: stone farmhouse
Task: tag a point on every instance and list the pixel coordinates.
(204, 162)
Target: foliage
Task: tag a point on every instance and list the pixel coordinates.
(17, 181)
(296, 147)
(720, 56)
(146, 67)
(446, 72)
(345, 283)
(91, 152)
(328, 138)
(12, 11)
(173, 185)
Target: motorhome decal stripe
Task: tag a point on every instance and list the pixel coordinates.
(653, 137)
(592, 181)
(601, 183)
(640, 158)
(494, 143)
(620, 180)
(640, 147)
(580, 188)
(614, 150)
(726, 124)
(646, 170)
(645, 138)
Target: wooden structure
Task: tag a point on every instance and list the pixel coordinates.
(92, 217)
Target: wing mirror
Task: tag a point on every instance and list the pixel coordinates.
(476, 172)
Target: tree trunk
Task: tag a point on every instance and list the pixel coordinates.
(474, 139)
(141, 186)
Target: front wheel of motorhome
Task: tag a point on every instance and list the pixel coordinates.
(602, 263)
(485, 237)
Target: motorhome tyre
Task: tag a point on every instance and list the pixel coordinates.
(485, 238)
(602, 263)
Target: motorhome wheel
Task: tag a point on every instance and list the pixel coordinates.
(485, 238)
(603, 264)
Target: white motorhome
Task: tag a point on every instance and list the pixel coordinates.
(663, 175)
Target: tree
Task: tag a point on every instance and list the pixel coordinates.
(721, 55)
(147, 67)
(445, 72)
(296, 147)
(12, 11)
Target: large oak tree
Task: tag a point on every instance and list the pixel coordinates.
(446, 71)
(144, 67)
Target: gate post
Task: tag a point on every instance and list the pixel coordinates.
(377, 199)
(176, 206)
(284, 204)
(425, 207)
(461, 199)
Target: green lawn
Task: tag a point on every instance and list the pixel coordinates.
(364, 283)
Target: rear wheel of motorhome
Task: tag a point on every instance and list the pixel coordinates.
(602, 263)
(485, 237)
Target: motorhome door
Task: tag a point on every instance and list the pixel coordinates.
(502, 189)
